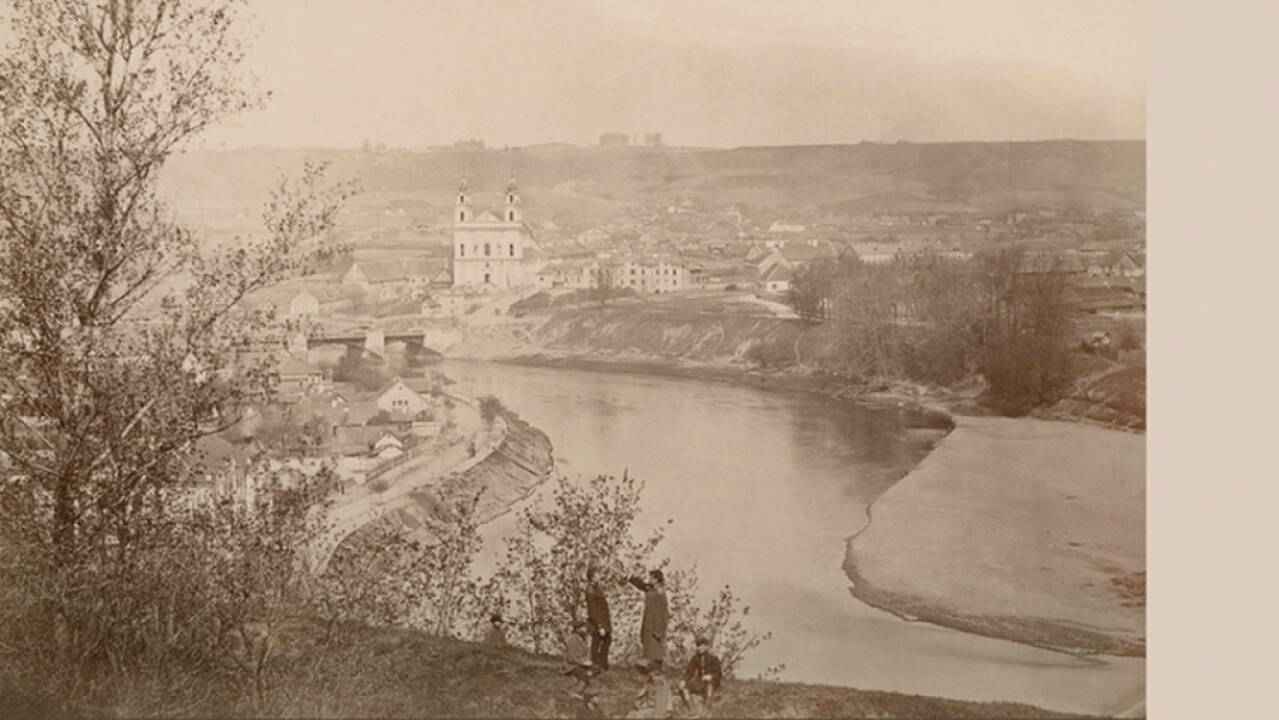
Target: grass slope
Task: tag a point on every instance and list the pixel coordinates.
(396, 673)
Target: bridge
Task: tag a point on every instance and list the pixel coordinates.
(375, 340)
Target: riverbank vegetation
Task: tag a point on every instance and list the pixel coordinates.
(939, 320)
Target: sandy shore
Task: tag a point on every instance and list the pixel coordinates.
(1026, 530)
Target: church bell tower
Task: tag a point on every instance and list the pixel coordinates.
(512, 212)
(462, 212)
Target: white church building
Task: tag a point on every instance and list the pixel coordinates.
(490, 247)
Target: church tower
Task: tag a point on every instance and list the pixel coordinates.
(512, 212)
(462, 212)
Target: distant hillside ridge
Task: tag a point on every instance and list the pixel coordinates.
(836, 179)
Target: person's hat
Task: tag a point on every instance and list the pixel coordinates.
(496, 617)
(579, 624)
(702, 640)
(589, 694)
(657, 575)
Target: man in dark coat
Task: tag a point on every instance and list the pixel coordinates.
(703, 675)
(496, 635)
(598, 620)
(656, 616)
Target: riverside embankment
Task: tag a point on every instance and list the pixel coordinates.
(511, 459)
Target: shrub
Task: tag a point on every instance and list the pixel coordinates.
(490, 408)
(542, 578)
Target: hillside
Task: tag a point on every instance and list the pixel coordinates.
(369, 672)
(563, 180)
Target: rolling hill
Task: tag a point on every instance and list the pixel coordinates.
(573, 182)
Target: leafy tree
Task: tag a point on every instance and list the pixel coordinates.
(123, 339)
(541, 580)
(490, 408)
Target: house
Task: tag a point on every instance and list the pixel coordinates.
(776, 279)
(383, 279)
(387, 447)
(1103, 299)
(876, 253)
(297, 376)
(1047, 262)
(797, 255)
(222, 471)
(593, 237)
(303, 304)
(396, 396)
(652, 274)
(780, 227)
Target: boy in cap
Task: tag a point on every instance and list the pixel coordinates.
(577, 655)
(702, 677)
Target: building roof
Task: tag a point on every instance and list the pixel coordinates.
(803, 252)
(291, 366)
(777, 273)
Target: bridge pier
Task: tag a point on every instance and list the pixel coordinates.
(375, 341)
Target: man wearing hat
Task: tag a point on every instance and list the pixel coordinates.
(703, 675)
(656, 616)
(495, 636)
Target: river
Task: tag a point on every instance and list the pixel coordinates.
(765, 489)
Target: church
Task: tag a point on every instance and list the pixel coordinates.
(491, 249)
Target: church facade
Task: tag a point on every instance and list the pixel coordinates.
(490, 247)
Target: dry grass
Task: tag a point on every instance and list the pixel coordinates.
(395, 673)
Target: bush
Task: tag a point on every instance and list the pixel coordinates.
(542, 579)
(766, 354)
(490, 408)
(1130, 338)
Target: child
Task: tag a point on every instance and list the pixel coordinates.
(702, 677)
(577, 656)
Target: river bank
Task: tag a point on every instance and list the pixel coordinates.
(1027, 530)
(1075, 605)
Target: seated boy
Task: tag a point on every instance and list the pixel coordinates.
(702, 677)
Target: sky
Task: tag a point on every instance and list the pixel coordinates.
(416, 73)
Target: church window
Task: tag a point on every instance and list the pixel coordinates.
(512, 249)
(461, 215)
(461, 250)
(461, 199)
(510, 215)
(486, 250)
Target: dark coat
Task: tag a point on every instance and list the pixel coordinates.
(701, 665)
(597, 615)
(653, 626)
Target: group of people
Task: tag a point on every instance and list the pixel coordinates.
(588, 642)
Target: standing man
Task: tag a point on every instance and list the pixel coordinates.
(656, 616)
(598, 620)
(495, 636)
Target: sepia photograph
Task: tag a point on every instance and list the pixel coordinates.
(573, 358)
